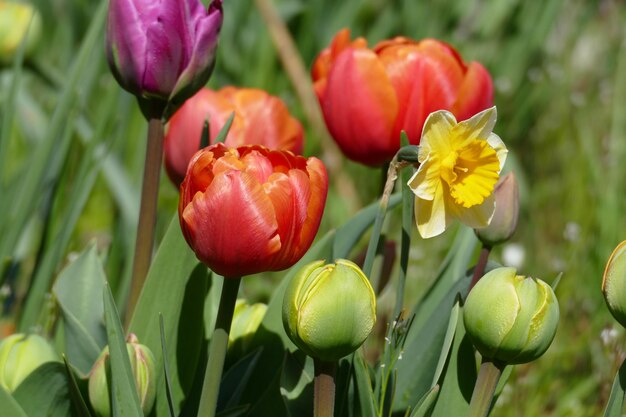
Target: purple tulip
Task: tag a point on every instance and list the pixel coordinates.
(162, 51)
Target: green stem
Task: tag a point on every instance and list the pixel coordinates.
(324, 388)
(408, 200)
(479, 270)
(217, 350)
(484, 389)
(392, 174)
(147, 213)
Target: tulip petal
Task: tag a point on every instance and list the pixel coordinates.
(233, 198)
(202, 55)
(475, 93)
(126, 43)
(426, 78)
(360, 106)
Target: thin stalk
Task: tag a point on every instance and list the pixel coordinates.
(217, 350)
(147, 213)
(484, 389)
(408, 200)
(479, 270)
(392, 175)
(324, 388)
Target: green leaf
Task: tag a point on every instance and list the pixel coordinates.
(237, 411)
(221, 137)
(428, 332)
(448, 339)
(349, 234)
(78, 293)
(10, 407)
(296, 383)
(175, 287)
(363, 387)
(124, 397)
(52, 149)
(166, 369)
(80, 405)
(236, 379)
(423, 407)
(615, 405)
(459, 377)
(45, 392)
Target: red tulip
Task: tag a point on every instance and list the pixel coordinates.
(260, 119)
(368, 96)
(249, 209)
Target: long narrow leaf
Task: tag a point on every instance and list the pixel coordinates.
(124, 397)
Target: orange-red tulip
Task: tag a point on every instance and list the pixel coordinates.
(368, 96)
(250, 209)
(260, 119)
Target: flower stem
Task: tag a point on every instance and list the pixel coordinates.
(407, 225)
(392, 174)
(217, 350)
(484, 389)
(147, 213)
(324, 401)
(479, 270)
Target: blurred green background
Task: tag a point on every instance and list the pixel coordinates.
(72, 147)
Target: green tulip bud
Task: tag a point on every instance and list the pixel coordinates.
(329, 310)
(20, 355)
(142, 365)
(511, 318)
(614, 283)
(246, 320)
(504, 220)
(15, 19)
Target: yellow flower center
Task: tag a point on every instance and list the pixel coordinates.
(471, 172)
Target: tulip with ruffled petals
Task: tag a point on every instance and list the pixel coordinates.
(162, 51)
(249, 209)
(260, 119)
(368, 96)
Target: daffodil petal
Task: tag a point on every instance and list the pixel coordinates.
(478, 126)
(476, 216)
(501, 151)
(431, 215)
(436, 133)
(425, 181)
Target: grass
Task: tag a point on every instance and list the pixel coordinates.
(560, 73)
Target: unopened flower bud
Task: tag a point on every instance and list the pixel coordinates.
(329, 309)
(504, 220)
(18, 21)
(20, 355)
(142, 365)
(614, 283)
(246, 320)
(511, 318)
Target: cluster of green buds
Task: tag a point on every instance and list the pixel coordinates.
(142, 364)
(511, 318)
(19, 22)
(20, 355)
(329, 309)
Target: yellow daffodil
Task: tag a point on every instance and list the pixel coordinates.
(460, 164)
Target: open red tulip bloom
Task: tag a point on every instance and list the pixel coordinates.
(249, 209)
(260, 119)
(368, 96)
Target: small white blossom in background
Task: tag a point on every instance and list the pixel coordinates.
(513, 254)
